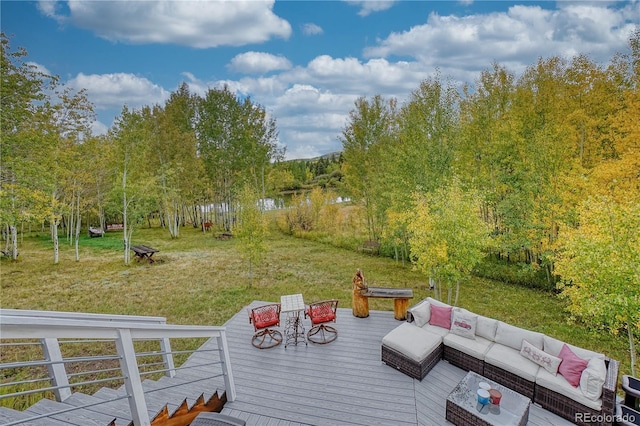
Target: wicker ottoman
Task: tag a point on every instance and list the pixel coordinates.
(411, 350)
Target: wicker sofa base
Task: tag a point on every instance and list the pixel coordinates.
(464, 361)
(578, 413)
(510, 380)
(567, 408)
(417, 370)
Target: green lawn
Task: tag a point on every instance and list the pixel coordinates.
(198, 279)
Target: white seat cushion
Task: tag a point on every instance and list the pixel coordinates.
(509, 359)
(559, 384)
(412, 341)
(476, 348)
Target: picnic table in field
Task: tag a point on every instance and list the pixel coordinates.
(95, 231)
(143, 252)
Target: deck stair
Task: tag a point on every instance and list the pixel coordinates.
(174, 399)
(173, 411)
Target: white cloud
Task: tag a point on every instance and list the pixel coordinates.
(306, 100)
(99, 128)
(516, 37)
(369, 6)
(108, 91)
(49, 8)
(311, 29)
(258, 63)
(199, 24)
(39, 68)
(350, 75)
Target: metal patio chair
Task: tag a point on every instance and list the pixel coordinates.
(264, 318)
(320, 314)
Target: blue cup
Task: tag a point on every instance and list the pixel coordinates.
(483, 396)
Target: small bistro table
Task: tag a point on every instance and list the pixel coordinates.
(463, 407)
(292, 306)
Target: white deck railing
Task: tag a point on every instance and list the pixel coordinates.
(48, 327)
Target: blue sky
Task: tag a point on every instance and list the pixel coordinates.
(305, 62)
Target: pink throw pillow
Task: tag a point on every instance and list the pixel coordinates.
(571, 366)
(441, 316)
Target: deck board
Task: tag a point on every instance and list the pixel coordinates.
(341, 383)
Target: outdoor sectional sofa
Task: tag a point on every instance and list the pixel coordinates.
(530, 363)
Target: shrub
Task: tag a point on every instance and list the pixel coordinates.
(522, 274)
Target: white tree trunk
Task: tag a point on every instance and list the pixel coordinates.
(125, 208)
(54, 231)
(78, 227)
(455, 303)
(14, 242)
(632, 349)
(103, 222)
(56, 243)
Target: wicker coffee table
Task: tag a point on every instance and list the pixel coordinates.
(463, 407)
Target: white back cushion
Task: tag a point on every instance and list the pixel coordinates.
(487, 327)
(592, 379)
(512, 336)
(554, 346)
(421, 314)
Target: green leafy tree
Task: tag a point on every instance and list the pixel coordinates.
(22, 170)
(172, 155)
(370, 127)
(485, 132)
(447, 236)
(251, 229)
(133, 185)
(68, 126)
(598, 264)
(420, 156)
(237, 142)
(43, 124)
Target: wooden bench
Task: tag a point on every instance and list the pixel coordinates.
(115, 227)
(224, 236)
(400, 298)
(95, 232)
(372, 247)
(144, 252)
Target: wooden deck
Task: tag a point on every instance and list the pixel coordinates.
(341, 383)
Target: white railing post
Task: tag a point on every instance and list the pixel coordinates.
(229, 384)
(167, 356)
(132, 382)
(57, 370)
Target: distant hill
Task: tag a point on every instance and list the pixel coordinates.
(325, 156)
